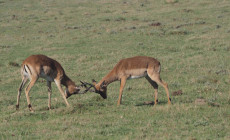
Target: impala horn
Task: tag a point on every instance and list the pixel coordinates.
(84, 84)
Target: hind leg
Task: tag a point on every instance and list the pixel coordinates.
(155, 86)
(24, 80)
(155, 76)
(32, 82)
(165, 85)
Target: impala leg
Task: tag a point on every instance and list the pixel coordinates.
(165, 85)
(24, 80)
(49, 94)
(155, 86)
(58, 83)
(122, 85)
(156, 77)
(32, 82)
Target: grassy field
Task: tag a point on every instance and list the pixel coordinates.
(191, 39)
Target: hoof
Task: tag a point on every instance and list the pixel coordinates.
(17, 107)
(30, 108)
(49, 108)
(156, 102)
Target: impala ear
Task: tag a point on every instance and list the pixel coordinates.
(77, 88)
(94, 82)
(66, 93)
(103, 84)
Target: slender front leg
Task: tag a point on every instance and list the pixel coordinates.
(24, 80)
(32, 82)
(123, 81)
(49, 94)
(58, 83)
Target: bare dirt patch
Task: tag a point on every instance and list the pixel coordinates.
(14, 64)
(176, 93)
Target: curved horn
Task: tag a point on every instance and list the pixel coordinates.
(86, 90)
(85, 83)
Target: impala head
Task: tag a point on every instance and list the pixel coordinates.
(100, 88)
(71, 90)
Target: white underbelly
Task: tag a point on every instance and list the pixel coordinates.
(136, 76)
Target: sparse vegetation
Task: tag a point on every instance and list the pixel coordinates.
(189, 38)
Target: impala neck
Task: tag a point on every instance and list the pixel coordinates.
(109, 78)
(66, 81)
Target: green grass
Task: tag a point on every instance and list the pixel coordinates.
(191, 39)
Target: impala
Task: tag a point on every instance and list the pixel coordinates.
(130, 68)
(36, 66)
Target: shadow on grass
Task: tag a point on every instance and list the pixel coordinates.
(150, 103)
